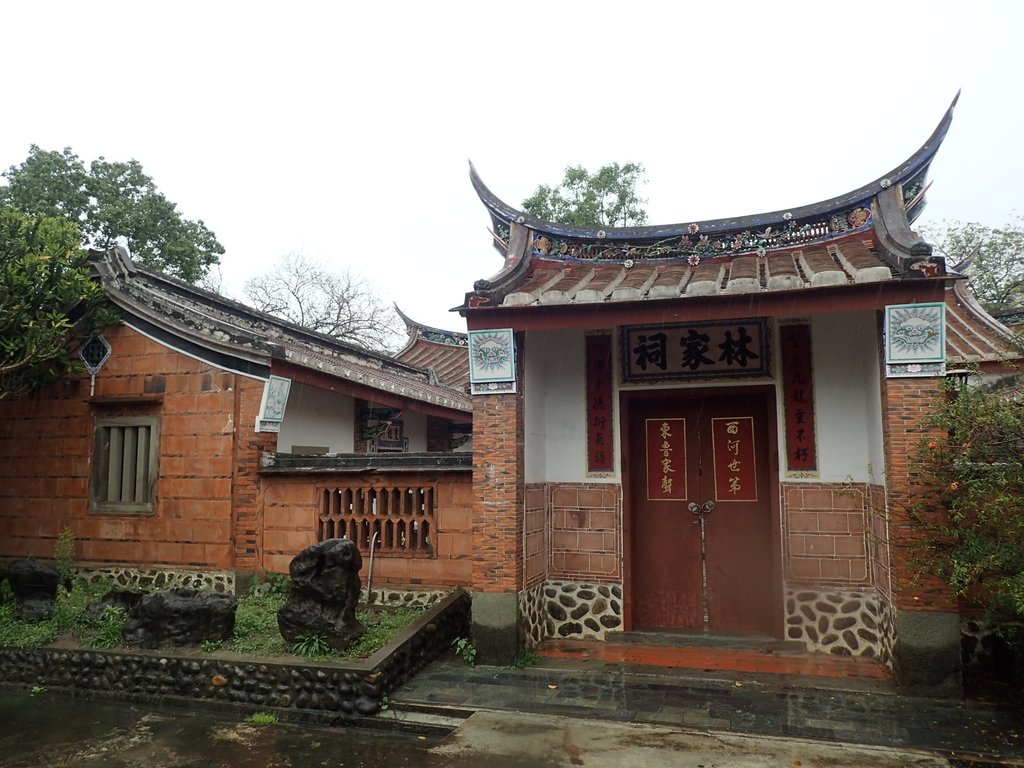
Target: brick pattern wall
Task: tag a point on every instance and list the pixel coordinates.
(905, 405)
(586, 531)
(498, 488)
(290, 508)
(46, 443)
(825, 533)
(878, 540)
(535, 549)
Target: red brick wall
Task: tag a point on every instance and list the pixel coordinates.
(290, 523)
(586, 532)
(878, 540)
(536, 551)
(905, 404)
(205, 432)
(825, 533)
(499, 493)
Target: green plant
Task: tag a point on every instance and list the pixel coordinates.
(271, 584)
(107, 631)
(64, 555)
(464, 649)
(256, 631)
(262, 718)
(311, 646)
(969, 509)
(209, 646)
(36, 690)
(526, 658)
(381, 626)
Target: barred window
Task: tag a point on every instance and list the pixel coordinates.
(124, 464)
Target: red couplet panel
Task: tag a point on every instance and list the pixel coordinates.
(734, 458)
(666, 459)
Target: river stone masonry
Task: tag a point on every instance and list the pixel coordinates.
(842, 623)
(148, 579)
(568, 609)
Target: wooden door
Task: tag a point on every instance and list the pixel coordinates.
(693, 460)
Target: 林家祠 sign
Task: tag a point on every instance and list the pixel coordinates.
(732, 348)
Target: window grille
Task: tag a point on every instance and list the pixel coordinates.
(402, 516)
(124, 461)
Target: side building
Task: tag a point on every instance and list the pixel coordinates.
(212, 442)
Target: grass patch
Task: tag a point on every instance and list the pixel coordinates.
(262, 718)
(255, 634)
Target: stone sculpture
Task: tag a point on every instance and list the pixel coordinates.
(181, 617)
(324, 593)
(34, 584)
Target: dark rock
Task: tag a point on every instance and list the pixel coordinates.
(34, 584)
(181, 617)
(324, 593)
(556, 611)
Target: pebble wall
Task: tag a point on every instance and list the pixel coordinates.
(345, 691)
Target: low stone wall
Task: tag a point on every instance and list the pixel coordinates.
(840, 622)
(350, 690)
(148, 579)
(563, 609)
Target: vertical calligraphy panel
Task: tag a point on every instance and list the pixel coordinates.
(732, 441)
(798, 399)
(599, 403)
(666, 459)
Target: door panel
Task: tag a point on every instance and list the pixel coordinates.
(726, 461)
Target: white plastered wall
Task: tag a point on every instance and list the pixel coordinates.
(414, 427)
(847, 402)
(847, 399)
(316, 417)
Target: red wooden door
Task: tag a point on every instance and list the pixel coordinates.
(693, 460)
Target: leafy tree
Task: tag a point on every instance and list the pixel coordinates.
(996, 270)
(109, 200)
(972, 470)
(48, 300)
(607, 198)
(339, 304)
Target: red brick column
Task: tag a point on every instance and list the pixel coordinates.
(498, 488)
(498, 520)
(926, 655)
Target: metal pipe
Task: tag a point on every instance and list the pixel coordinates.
(369, 574)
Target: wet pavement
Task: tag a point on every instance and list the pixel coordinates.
(558, 714)
(760, 705)
(56, 731)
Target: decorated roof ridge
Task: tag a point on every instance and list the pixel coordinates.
(237, 337)
(430, 333)
(248, 321)
(973, 336)
(910, 170)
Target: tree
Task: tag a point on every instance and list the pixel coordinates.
(48, 300)
(996, 270)
(111, 200)
(607, 198)
(339, 304)
(970, 474)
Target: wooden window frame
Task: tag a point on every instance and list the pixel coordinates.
(108, 465)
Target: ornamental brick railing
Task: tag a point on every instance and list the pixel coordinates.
(402, 517)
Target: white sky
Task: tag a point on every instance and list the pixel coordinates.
(343, 130)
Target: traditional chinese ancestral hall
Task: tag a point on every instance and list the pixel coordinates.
(705, 427)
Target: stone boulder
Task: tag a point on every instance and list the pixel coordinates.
(325, 589)
(34, 584)
(180, 617)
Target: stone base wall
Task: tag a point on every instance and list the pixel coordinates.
(562, 609)
(399, 598)
(147, 579)
(841, 623)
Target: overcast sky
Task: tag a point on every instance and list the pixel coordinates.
(343, 130)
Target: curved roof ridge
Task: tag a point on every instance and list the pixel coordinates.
(502, 212)
(431, 333)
